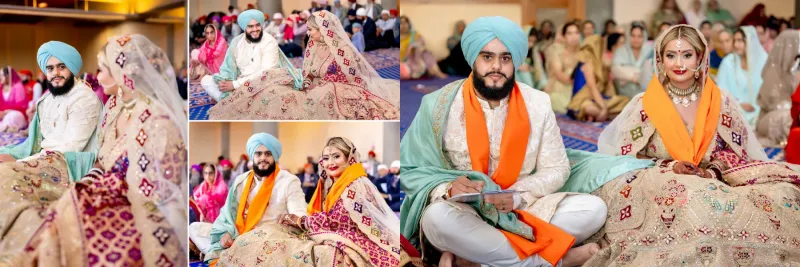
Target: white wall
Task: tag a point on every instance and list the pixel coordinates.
(626, 11)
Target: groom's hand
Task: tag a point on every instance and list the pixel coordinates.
(225, 86)
(463, 185)
(504, 203)
(226, 240)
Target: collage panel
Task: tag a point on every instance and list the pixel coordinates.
(294, 60)
(600, 133)
(295, 194)
(93, 133)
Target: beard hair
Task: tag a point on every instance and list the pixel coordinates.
(61, 90)
(264, 173)
(492, 93)
(254, 40)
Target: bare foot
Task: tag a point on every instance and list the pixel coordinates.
(447, 259)
(578, 256)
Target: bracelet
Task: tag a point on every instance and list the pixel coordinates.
(447, 193)
(300, 223)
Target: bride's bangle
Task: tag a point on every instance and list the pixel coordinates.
(300, 223)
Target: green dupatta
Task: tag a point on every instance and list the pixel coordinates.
(424, 166)
(226, 221)
(78, 163)
(229, 71)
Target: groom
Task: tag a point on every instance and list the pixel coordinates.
(67, 115)
(248, 56)
(257, 197)
(487, 133)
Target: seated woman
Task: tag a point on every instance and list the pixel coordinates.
(414, 57)
(632, 64)
(346, 226)
(212, 52)
(711, 199)
(780, 79)
(531, 72)
(561, 62)
(594, 97)
(13, 103)
(211, 194)
(793, 144)
(130, 210)
(723, 45)
(455, 39)
(337, 83)
(740, 72)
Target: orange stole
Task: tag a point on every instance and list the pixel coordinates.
(551, 242)
(350, 174)
(659, 108)
(256, 209)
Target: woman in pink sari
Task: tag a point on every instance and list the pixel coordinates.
(14, 101)
(211, 194)
(212, 52)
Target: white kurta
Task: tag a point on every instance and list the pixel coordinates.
(252, 59)
(544, 171)
(68, 122)
(287, 198)
(276, 31)
(385, 25)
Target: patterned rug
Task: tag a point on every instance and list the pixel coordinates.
(7, 139)
(385, 62)
(576, 134)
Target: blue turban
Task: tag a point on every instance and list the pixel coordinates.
(266, 140)
(247, 16)
(64, 52)
(485, 29)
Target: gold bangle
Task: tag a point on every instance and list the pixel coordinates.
(447, 193)
(300, 223)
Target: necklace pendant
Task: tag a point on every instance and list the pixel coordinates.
(676, 100)
(694, 97)
(685, 102)
(128, 115)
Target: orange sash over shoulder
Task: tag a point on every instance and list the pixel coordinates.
(551, 242)
(350, 174)
(256, 209)
(662, 113)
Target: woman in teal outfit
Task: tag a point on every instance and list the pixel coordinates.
(740, 72)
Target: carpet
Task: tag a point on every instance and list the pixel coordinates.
(575, 134)
(7, 139)
(384, 61)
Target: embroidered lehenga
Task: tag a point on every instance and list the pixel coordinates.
(749, 217)
(349, 224)
(134, 212)
(337, 83)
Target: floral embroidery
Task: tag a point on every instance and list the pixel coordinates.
(636, 133)
(763, 237)
(162, 235)
(352, 71)
(726, 120)
(330, 33)
(647, 240)
(142, 137)
(627, 149)
(366, 220)
(123, 40)
(346, 62)
(351, 194)
(704, 230)
(743, 234)
(625, 213)
(128, 82)
(163, 261)
(626, 191)
(737, 138)
(668, 239)
(145, 115)
(643, 115)
(146, 187)
(143, 162)
(357, 207)
(324, 22)
(340, 52)
(121, 59)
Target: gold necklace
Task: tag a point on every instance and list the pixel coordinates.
(685, 97)
(128, 108)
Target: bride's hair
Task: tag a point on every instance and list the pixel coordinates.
(340, 144)
(687, 33)
(312, 21)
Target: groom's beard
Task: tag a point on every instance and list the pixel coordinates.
(69, 82)
(254, 40)
(264, 172)
(492, 93)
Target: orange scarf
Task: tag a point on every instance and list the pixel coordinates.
(256, 209)
(551, 242)
(662, 113)
(349, 175)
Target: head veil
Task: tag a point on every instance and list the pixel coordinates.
(141, 66)
(779, 82)
(607, 142)
(357, 71)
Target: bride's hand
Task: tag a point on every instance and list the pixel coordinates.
(291, 220)
(683, 167)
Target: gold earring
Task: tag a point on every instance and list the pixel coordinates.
(696, 76)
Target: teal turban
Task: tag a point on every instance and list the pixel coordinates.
(266, 140)
(485, 29)
(247, 16)
(64, 52)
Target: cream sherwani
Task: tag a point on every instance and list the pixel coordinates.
(287, 198)
(68, 122)
(544, 171)
(252, 59)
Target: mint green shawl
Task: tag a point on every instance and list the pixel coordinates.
(424, 166)
(226, 221)
(78, 163)
(229, 71)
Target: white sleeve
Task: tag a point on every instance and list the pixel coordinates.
(296, 200)
(37, 92)
(269, 59)
(82, 118)
(552, 165)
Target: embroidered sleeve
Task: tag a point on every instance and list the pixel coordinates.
(82, 118)
(724, 158)
(438, 192)
(552, 165)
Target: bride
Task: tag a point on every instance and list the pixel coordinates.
(337, 83)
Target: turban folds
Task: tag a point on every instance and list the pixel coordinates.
(249, 15)
(64, 52)
(267, 140)
(361, 12)
(485, 29)
(277, 16)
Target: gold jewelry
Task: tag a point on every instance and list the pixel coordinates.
(447, 193)
(696, 76)
(128, 108)
(300, 223)
(682, 96)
